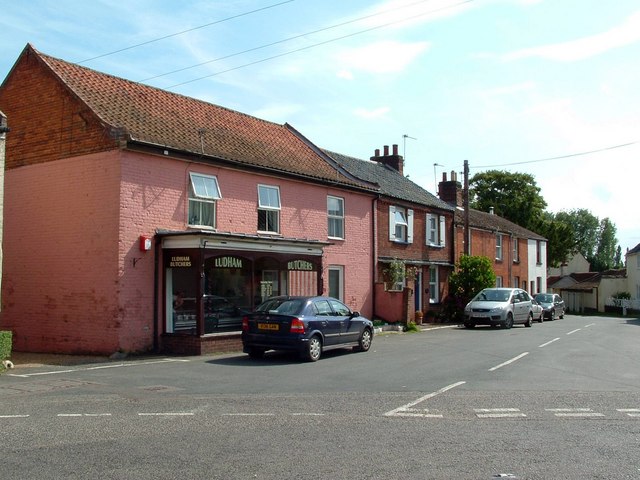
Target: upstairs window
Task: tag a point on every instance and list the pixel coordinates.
(268, 209)
(400, 224)
(499, 247)
(516, 256)
(203, 193)
(436, 230)
(335, 215)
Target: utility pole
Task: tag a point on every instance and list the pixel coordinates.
(467, 232)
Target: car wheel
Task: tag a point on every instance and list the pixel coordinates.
(552, 315)
(256, 352)
(469, 325)
(314, 349)
(541, 318)
(529, 320)
(364, 343)
(508, 323)
(561, 314)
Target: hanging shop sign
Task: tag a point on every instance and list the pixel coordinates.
(300, 265)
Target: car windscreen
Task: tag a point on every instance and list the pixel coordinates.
(281, 306)
(542, 298)
(493, 296)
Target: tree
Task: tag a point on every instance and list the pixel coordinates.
(605, 255)
(585, 230)
(559, 235)
(472, 274)
(514, 196)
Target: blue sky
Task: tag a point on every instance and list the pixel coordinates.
(504, 84)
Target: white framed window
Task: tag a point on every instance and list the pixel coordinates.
(336, 282)
(499, 283)
(400, 224)
(434, 291)
(436, 230)
(268, 209)
(498, 246)
(203, 193)
(516, 250)
(335, 215)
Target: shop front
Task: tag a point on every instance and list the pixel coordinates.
(209, 281)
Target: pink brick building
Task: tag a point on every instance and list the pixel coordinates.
(138, 220)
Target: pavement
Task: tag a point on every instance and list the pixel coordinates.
(22, 360)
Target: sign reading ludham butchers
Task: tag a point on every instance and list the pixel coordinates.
(180, 261)
(227, 262)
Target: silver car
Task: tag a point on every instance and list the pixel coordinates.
(499, 306)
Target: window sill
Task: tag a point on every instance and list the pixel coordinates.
(336, 238)
(265, 232)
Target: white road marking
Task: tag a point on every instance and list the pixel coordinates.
(84, 415)
(549, 342)
(589, 325)
(498, 413)
(574, 331)
(99, 367)
(248, 414)
(167, 414)
(422, 399)
(509, 361)
(574, 412)
(14, 416)
(631, 412)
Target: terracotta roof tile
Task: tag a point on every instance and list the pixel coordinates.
(158, 117)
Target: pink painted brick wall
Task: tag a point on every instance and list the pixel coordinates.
(75, 279)
(60, 254)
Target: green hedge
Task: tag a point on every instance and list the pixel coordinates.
(5, 345)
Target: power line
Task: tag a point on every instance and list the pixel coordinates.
(185, 31)
(613, 147)
(360, 32)
(284, 40)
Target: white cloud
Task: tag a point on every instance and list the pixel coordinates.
(345, 74)
(510, 89)
(624, 34)
(401, 13)
(371, 114)
(381, 57)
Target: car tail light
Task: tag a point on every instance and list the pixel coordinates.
(245, 324)
(297, 326)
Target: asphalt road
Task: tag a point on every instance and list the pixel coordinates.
(560, 400)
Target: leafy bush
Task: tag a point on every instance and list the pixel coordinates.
(5, 345)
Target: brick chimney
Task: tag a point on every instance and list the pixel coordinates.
(451, 191)
(394, 160)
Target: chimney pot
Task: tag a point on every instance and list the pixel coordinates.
(395, 149)
(386, 150)
(377, 152)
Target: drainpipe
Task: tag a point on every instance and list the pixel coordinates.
(374, 266)
(156, 297)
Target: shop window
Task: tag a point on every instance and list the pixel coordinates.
(227, 292)
(400, 224)
(268, 209)
(335, 214)
(203, 193)
(181, 305)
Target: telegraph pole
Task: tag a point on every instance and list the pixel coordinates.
(467, 233)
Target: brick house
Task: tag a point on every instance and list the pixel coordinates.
(412, 226)
(519, 255)
(138, 219)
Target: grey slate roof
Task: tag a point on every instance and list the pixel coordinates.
(492, 222)
(392, 183)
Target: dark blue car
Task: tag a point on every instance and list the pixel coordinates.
(307, 325)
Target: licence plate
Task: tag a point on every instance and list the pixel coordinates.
(268, 326)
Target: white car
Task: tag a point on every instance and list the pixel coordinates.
(499, 307)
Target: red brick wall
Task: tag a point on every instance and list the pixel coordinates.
(47, 122)
(483, 243)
